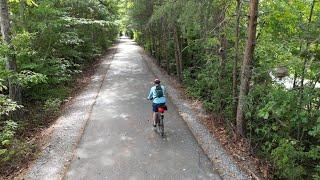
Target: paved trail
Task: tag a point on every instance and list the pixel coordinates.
(119, 142)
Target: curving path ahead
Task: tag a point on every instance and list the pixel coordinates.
(119, 142)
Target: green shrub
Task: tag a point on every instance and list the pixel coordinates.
(286, 159)
(13, 151)
(52, 106)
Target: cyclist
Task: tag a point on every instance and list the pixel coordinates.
(157, 95)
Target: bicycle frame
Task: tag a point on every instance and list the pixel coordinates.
(159, 120)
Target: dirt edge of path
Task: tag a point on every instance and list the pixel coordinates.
(226, 166)
(55, 158)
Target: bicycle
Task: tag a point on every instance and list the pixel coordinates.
(160, 120)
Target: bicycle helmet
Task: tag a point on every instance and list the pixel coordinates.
(157, 81)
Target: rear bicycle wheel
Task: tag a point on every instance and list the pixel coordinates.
(161, 125)
(157, 121)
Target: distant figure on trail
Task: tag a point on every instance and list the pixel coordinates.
(157, 95)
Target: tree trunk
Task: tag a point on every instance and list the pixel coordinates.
(223, 48)
(247, 66)
(223, 58)
(181, 40)
(11, 65)
(160, 43)
(153, 46)
(306, 59)
(294, 86)
(166, 56)
(222, 75)
(164, 47)
(236, 59)
(177, 53)
(204, 15)
(22, 6)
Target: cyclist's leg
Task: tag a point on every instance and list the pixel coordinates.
(154, 114)
(154, 117)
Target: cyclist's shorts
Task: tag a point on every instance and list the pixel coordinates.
(156, 106)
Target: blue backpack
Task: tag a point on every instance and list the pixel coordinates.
(159, 91)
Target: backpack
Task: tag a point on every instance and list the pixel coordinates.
(159, 91)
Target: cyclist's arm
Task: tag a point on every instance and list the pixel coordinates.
(150, 97)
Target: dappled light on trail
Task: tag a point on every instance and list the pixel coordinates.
(119, 141)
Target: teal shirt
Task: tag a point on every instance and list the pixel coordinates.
(152, 95)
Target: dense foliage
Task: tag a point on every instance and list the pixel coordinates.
(203, 43)
(51, 41)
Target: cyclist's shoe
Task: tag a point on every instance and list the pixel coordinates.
(154, 124)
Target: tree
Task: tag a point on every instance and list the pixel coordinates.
(178, 55)
(247, 66)
(307, 54)
(11, 64)
(236, 59)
